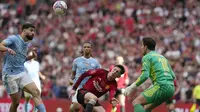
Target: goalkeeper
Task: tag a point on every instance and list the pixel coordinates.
(160, 72)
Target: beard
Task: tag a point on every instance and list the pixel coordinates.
(29, 37)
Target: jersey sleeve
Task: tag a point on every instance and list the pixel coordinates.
(74, 67)
(8, 41)
(145, 71)
(112, 91)
(98, 65)
(86, 74)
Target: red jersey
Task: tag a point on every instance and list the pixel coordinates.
(97, 83)
(121, 82)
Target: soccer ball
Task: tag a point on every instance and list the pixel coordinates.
(60, 7)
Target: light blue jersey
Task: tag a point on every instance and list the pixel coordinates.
(81, 65)
(14, 64)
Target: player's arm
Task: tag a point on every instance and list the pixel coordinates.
(72, 78)
(86, 74)
(143, 77)
(43, 77)
(74, 67)
(34, 54)
(5, 43)
(145, 72)
(112, 92)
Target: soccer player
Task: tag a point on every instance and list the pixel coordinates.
(122, 82)
(81, 65)
(100, 82)
(33, 70)
(160, 72)
(13, 73)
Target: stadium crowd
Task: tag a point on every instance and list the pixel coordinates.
(115, 27)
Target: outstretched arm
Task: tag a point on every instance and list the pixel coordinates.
(86, 74)
(143, 77)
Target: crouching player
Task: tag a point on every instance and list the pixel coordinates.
(100, 82)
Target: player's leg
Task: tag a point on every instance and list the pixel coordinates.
(75, 107)
(15, 101)
(138, 103)
(156, 95)
(121, 98)
(99, 109)
(27, 99)
(90, 100)
(12, 88)
(34, 91)
(87, 100)
(29, 86)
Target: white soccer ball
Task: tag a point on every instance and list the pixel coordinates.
(60, 7)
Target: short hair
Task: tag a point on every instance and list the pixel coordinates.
(122, 69)
(149, 42)
(87, 43)
(27, 25)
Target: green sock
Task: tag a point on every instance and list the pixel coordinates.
(147, 110)
(138, 108)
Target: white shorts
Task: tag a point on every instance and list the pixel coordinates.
(13, 83)
(74, 97)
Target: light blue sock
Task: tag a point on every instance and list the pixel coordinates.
(26, 106)
(41, 108)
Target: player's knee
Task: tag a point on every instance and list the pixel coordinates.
(36, 93)
(135, 102)
(74, 107)
(90, 97)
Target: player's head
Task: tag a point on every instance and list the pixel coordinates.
(148, 43)
(119, 60)
(87, 49)
(28, 30)
(116, 72)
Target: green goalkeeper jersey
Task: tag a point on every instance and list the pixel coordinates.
(157, 67)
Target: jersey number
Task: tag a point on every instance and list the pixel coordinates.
(163, 61)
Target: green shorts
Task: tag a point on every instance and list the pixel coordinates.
(158, 94)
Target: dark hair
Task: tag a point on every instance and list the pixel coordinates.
(149, 42)
(27, 25)
(87, 43)
(121, 68)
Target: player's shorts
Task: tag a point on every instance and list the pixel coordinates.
(74, 97)
(13, 83)
(158, 94)
(119, 92)
(80, 97)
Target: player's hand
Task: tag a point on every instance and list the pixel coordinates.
(114, 102)
(11, 51)
(130, 89)
(34, 51)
